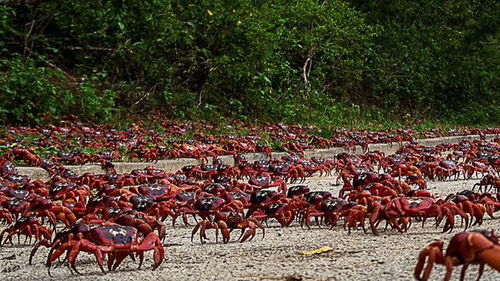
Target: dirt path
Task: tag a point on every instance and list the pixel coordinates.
(358, 256)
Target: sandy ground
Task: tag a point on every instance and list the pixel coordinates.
(358, 256)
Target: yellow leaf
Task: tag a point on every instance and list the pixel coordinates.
(238, 22)
(212, 69)
(210, 13)
(317, 251)
(191, 5)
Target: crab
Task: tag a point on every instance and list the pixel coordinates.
(28, 226)
(227, 222)
(354, 216)
(382, 211)
(475, 210)
(415, 179)
(293, 173)
(159, 191)
(413, 207)
(5, 216)
(465, 248)
(68, 190)
(144, 223)
(329, 209)
(448, 169)
(405, 170)
(16, 207)
(208, 206)
(148, 154)
(7, 168)
(261, 198)
(476, 167)
(119, 180)
(202, 171)
(297, 191)
(164, 209)
(107, 155)
(216, 189)
(282, 211)
(18, 180)
(311, 167)
(141, 176)
(488, 182)
(45, 207)
(114, 240)
(192, 149)
(28, 155)
(71, 158)
(265, 181)
(143, 203)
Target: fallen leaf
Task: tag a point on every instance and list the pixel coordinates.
(317, 251)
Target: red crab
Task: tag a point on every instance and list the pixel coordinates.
(45, 207)
(474, 247)
(7, 168)
(117, 241)
(447, 169)
(28, 226)
(5, 216)
(68, 190)
(205, 207)
(227, 222)
(71, 158)
(265, 181)
(16, 207)
(282, 211)
(28, 155)
(488, 182)
(144, 223)
(159, 191)
(329, 209)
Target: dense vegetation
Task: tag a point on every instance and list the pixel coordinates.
(328, 62)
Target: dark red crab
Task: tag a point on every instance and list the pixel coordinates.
(465, 248)
(211, 205)
(265, 181)
(30, 227)
(114, 240)
(144, 223)
(227, 222)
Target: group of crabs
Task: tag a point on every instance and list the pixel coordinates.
(115, 216)
(75, 143)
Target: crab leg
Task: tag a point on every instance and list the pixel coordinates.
(433, 253)
(152, 242)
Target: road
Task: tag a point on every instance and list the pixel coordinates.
(357, 256)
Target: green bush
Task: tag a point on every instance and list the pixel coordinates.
(434, 59)
(31, 94)
(331, 62)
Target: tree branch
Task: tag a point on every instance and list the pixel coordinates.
(91, 48)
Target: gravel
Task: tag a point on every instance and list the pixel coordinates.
(358, 256)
